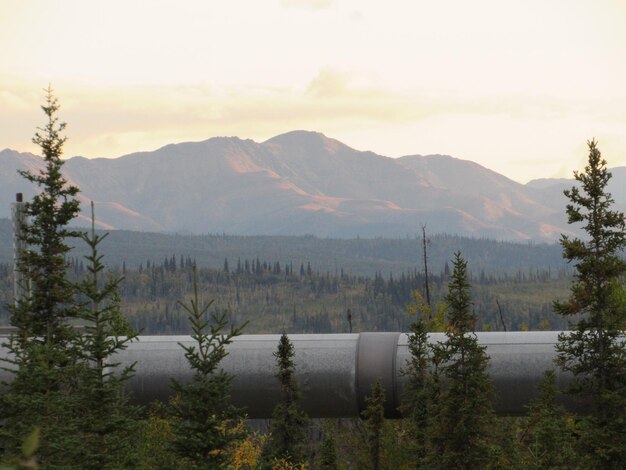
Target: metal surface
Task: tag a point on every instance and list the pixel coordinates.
(325, 366)
(336, 371)
(376, 360)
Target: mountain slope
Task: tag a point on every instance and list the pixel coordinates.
(298, 183)
(552, 188)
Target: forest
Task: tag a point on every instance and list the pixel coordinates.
(357, 256)
(299, 299)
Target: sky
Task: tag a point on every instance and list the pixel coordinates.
(518, 86)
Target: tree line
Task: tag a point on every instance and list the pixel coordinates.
(303, 300)
(361, 256)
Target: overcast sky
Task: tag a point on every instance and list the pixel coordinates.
(515, 85)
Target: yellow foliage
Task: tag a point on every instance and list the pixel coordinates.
(282, 464)
(435, 316)
(157, 430)
(544, 325)
(246, 453)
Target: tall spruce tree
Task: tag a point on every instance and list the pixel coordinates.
(419, 390)
(107, 420)
(44, 354)
(374, 415)
(289, 424)
(204, 422)
(595, 350)
(463, 423)
(43, 264)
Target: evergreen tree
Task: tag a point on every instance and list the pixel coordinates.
(374, 415)
(27, 459)
(595, 350)
(204, 421)
(328, 447)
(107, 420)
(153, 435)
(43, 262)
(418, 391)
(289, 424)
(44, 348)
(463, 416)
(549, 435)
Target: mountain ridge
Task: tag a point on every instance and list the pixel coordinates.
(299, 183)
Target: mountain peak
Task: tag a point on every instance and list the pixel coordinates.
(307, 141)
(299, 136)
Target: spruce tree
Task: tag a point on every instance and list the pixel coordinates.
(289, 424)
(463, 418)
(27, 459)
(107, 420)
(43, 262)
(328, 447)
(43, 349)
(374, 415)
(204, 422)
(595, 349)
(417, 393)
(549, 435)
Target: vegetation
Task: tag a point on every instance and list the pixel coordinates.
(66, 335)
(461, 432)
(548, 437)
(46, 361)
(289, 424)
(595, 350)
(107, 418)
(204, 423)
(328, 447)
(27, 459)
(374, 415)
(361, 256)
(317, 302)
(420, 390)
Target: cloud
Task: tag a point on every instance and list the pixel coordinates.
(328, 83)
(515, 132)
(307, 4)
(114, 120)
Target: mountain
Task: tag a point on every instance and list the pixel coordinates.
(298, 183)
(552, 188)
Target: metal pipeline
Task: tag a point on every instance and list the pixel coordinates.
(336, 371)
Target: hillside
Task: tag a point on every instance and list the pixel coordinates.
(552, 188)
(301, 183)
(360, 256)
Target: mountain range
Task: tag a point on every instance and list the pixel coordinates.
(304, 183)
